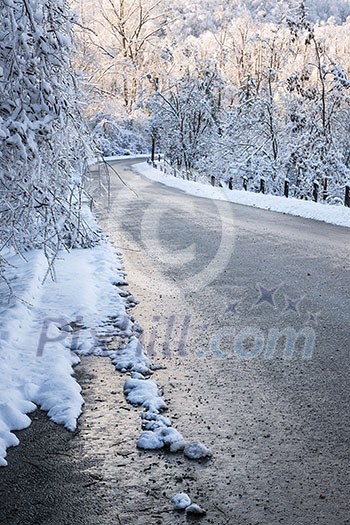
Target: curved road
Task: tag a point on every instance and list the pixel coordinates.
(247, 314)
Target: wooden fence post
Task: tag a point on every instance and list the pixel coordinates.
(315, 191)
(153, 148)
(262, 185)
(230, 183)
(286, 188)
(212, 180)
(245, 183)
(347, 196)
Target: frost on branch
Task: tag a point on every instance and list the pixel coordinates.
(42, 147)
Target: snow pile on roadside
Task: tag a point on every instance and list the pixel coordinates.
(144, 392)
(196, 450)
(131, 358)
(339, 215)
(46, 325)
(158, 432)
(44, 328)
(42, 322)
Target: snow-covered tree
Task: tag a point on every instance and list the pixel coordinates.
(185, 119)
(42, 149)
(128, 31)
(317, 105)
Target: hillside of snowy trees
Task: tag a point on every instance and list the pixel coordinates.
(246, 89)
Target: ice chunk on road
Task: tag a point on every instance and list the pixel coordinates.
(181, 501)
(149, 440)
(196, 450)
(162, 437)
(195, 510)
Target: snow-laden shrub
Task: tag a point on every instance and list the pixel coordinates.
(42, 150)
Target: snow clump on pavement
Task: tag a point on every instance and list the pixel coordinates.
(144, 392)
(195, 510)
(197, 450)
(181, 501)
(157, 430)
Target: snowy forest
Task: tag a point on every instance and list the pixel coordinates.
(245, 90)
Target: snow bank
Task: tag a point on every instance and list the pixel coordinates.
(339, 215)
(47, 324)
(42, 322)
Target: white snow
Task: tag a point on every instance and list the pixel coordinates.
(181, 501)
(131, 358)
(149, 441)
(144, 392)
(46, 324)
(41, 322)
(158, 432)
(339, 215)
(196, 450)
(195, 509)
(162, 437)
(171, 438)
(153, 420)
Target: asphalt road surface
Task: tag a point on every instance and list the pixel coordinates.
(247, 313)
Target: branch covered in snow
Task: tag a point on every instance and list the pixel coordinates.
(42, 145)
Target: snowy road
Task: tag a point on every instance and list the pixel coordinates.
(279, 428)
(213, 305)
